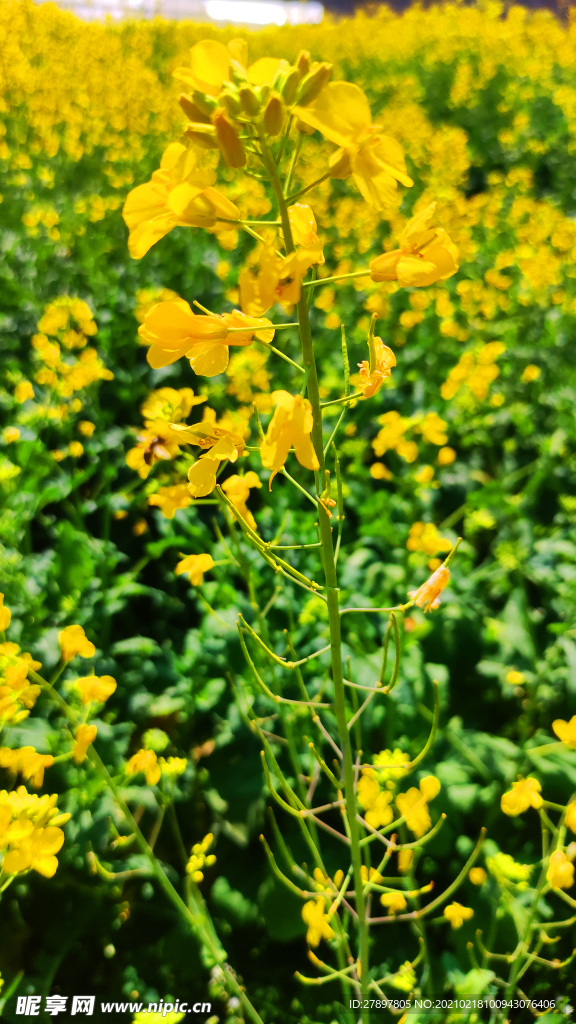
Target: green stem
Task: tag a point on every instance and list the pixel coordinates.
(331, 590)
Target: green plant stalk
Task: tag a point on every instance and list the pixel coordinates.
(197, 915)
(331, 578)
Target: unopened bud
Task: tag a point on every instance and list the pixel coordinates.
(339, 164)
(280, 74)
(193, 113)
(207, 104)
(230, 99)
(303, 63)
(274, 115)
(238, 50)
(237, 73)
(312, 84)
(249, 100)
(202, 134)
(227, 138)
(290, 86)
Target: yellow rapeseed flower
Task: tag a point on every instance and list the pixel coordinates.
(35, 852)
(374, 373)
(73, 641)
(314, 915)
(457, 914)
(428, 595)
(278, 279)
(290, 427)
(560, 872)
(26, 762)
(393, 901)
(477, 876)
(426, 254)
(342, 113)
(95, 688)
(374, 800)
(238, 490)
(195, 566)
(84, 736)
(23, 391)
(525, 793)
(169, 499)
(5, 615)
(413, 805)
(566, 731)
(570, 817)
(144, 761)
(179, 193)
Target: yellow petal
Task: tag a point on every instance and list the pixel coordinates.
(340, 112)
(208, 358)
(146, 234)
(209, 64)
(157, 357)
(171, 155)
(202, 477)
(263, 70)
(416, 272)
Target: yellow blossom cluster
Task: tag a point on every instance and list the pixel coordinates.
(476, 370)
(30, 832)
(376, 795)
(200, 859)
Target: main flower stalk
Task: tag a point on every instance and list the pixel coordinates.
(331, 580)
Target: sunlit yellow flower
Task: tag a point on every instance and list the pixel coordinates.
(73, 641)
(371, 380)
(5, 615)
(172, 767)
(530, 373)
(342, 113)
(425, 537)
(199, 859)
(378, 471)
(97, 688)
(515, 678)
(278, 279)
(179, 193)
(10, 434)
(209, 67)
(290, 427)
(84, 736)
(413, 805)
(477, 876)
(393, 901)
(195, 566)
(75, 449)
(238, 490)
(23, 391)
(525, 793)
(144, 761)
(221, 444)
(169, 499)
(505, 869)
(428, 595)
(374, 800)
(457, 914)
(27, 763)
(36, 852)
(86, 428)
(566, 731)
(303, 224)
(170, 404)
(314, 915)
(446, 456)
(560, 872)
(174, 330)
(426, 254)
(156, 442)
(390, 764)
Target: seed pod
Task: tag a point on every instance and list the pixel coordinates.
(290, 86)
(274, 115)
(249, 100)
(228, 141)
(193, 113)
(303, 63)
(311, 86)
(207, 104)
